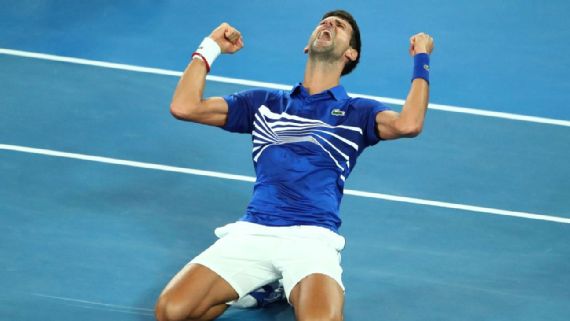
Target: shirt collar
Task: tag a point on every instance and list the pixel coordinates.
(337, 92)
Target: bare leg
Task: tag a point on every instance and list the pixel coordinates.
(318, 297)
(195, 293)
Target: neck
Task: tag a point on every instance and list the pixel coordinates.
(321, 75)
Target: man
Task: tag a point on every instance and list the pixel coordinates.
(305, 144)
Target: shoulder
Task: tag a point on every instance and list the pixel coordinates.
(253, 97)
(259, 93)
(367, 105)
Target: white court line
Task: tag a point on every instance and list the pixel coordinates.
(387, 197)
(387, 100)
(106, 306)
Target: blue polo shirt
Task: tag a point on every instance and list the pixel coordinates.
(304, 148)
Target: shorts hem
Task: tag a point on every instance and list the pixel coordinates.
(303, 276)
(226, 278)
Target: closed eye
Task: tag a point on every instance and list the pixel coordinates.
(339, 23)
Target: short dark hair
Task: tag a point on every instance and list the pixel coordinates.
(354, 40)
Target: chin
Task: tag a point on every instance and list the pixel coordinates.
(321, 49)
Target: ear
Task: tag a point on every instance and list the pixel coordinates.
(306, 50)
(351, 54)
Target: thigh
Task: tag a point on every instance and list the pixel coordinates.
(302, 258)
(227, 270)
(192, 292)
(201, 282)
(243, 261)
(318, 297)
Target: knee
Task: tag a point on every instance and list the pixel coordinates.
(170, 309)
(167, 310)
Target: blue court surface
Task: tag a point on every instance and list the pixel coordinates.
(104, 195)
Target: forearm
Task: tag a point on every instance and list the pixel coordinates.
(188, 102)
(410, 121)
(414, 110)
(190, 88)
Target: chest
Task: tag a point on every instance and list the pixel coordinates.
(331, 127)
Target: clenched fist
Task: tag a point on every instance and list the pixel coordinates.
(421, 43)
(228, 38)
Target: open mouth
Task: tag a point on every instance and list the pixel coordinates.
(324, 35)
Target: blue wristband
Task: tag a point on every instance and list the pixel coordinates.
(421, 67)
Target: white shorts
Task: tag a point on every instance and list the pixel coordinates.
(249, 256)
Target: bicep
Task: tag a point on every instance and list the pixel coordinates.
(234, 113)
(386, 125)
(212, 111)
(215, 111)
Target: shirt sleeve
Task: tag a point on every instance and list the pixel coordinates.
(371, 133)
(242, 107)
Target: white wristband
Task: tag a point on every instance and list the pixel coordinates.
(208, 51)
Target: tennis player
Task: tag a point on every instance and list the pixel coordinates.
(305, 145)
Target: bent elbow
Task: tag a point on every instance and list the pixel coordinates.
(411, 131)
(180, 112)
(176, 113)
(416, 131)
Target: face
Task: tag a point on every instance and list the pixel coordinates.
(330, 39)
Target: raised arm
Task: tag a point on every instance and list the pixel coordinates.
(188, 102)
(409, 122)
